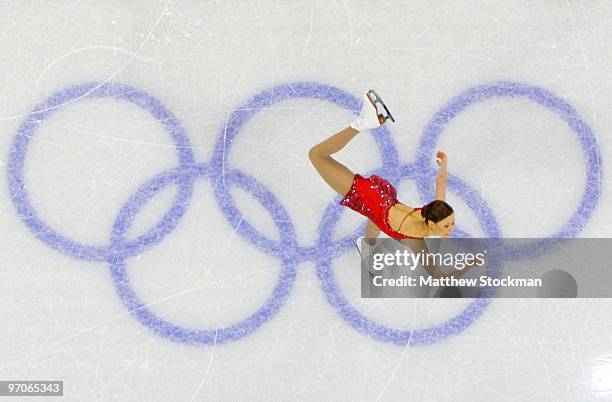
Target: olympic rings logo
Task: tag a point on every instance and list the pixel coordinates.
(289, 253)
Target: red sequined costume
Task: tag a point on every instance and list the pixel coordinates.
(373, 197)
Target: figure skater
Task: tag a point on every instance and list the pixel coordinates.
(374, 197)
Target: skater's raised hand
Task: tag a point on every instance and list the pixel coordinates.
(442, 179)
(442, 159)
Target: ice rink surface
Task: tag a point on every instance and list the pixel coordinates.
(165, 238)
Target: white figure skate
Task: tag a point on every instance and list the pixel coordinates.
(366, 251)
(374, 112)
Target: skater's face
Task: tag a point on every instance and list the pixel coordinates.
(444, 227)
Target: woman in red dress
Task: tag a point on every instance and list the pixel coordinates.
(374, 197)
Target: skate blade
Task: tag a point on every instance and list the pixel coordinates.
(376, 99)
(355, 242)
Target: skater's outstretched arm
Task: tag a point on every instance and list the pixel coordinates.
(442, 178)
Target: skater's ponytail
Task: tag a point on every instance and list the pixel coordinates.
(435, 211)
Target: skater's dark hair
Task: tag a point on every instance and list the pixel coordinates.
(435, 211)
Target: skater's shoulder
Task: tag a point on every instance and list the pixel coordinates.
(404, 220)
(406, 208)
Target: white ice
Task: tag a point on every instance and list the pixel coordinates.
(61, 318)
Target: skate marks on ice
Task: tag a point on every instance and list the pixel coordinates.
(119, 249)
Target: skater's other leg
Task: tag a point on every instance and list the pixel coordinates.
(339, 177)
(371, 233)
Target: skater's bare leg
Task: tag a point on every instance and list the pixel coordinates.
(339, 177)
(371, 233)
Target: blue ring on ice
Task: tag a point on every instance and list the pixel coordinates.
(60, 100)
(543, 97)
